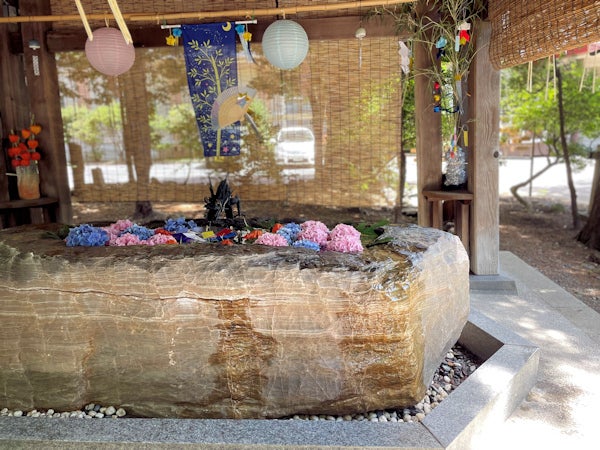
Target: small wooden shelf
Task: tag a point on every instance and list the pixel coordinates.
(38, 211)
(461, 200)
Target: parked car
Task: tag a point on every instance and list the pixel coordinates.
(295, 145)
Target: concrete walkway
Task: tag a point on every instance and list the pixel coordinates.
(561, 412)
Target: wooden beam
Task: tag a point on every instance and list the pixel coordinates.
(316, 29)
(159, 17)
(483, 156)
(428, 125)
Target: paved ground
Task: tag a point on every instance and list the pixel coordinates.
(561, 411)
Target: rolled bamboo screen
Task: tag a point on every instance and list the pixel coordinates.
(525, 31)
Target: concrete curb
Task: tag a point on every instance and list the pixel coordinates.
(485, 399)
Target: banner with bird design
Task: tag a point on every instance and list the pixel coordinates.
(211, 65)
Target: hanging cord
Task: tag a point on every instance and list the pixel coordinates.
(530, 77)
(84, 20)
(114, 7)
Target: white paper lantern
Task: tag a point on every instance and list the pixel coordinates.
(285, 44)
(108, 52)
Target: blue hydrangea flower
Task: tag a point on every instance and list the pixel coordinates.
(87, 236)
(290, 232)
(142, 232)
(305, 243)
(179, 225)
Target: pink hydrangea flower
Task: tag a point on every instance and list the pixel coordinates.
(127, 239)
(272, 239)
(315, 231)
(119, 226)
(115, 229)
(159, 239)
(344, 238)
(342, 229)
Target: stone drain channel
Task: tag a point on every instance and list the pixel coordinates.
(485, 399)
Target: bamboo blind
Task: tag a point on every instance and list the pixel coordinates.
(524, 31)
(355, 118)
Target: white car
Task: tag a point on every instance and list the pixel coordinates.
(295, 145)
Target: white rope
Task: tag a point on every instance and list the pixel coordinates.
(86, 24)
(114, 7)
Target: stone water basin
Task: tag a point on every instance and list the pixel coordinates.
(207, 331)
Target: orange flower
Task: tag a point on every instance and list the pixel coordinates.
(276, 228)
(254, 234)
(24, 146)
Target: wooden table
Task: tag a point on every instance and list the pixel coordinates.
(461, 200)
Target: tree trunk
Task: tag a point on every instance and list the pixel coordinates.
(565, 148)
(590, 233)
(516, 187)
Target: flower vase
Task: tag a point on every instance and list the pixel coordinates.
(28, 181)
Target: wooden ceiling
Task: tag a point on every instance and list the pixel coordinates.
(322, 19)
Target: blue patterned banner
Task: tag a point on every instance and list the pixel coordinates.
(211, 64)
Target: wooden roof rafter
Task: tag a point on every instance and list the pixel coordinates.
(160, 17)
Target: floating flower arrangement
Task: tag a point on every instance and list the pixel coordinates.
(312, 234)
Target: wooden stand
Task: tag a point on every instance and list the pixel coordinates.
(461, 200)
(38, 211)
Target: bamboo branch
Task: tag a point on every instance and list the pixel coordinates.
(161, 17)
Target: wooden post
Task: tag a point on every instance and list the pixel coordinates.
(483, 156)
(428, 125)
(42, 82)
(14, 99)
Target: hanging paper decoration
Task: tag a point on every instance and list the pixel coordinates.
(171, 40)
(285, 44)
(245, 38)
(437, 97)
(108, 52)
(404, 53)
(174, 35)
(360, 34)
(211, 65)
(456, 165)
(441, 45)
(462, 36)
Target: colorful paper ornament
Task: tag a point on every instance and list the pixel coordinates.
(441, 45)
(437, 97)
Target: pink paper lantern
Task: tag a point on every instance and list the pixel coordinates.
(108, 52)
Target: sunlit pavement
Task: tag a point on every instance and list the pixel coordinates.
(561, 410)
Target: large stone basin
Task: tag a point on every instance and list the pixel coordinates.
(227, 332)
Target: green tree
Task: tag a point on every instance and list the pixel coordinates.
(557, 116)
